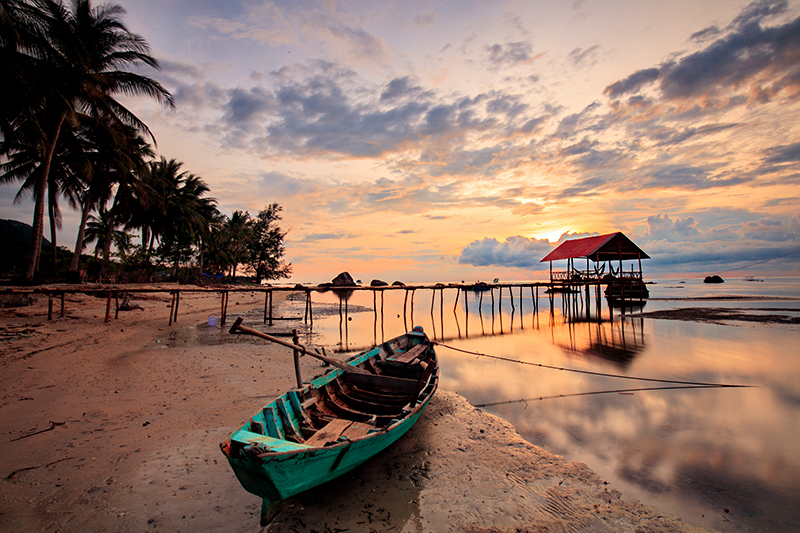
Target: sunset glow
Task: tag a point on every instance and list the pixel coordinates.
(429, 141)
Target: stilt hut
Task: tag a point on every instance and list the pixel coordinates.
(607, 253)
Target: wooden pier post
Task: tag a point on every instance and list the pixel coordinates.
(63, 314)
(50, 306)
(266, 303)
(296, 341)
(116, 305)
(108, 308)
(310, 308)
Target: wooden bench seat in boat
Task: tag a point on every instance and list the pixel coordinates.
(410, 355)
(380, 383)
(336, 428)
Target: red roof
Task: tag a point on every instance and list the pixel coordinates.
(601, 248)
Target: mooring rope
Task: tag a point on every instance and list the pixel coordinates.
(589, 372)
(613, 391)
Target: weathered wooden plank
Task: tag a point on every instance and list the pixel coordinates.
(329, 433)
(411, 354)
(357, 429)
(380, 383)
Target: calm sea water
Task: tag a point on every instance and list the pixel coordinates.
(724, 458)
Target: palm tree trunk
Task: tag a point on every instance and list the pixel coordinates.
(73, 265)
(39, 194)
(51, 209)
(107, 251)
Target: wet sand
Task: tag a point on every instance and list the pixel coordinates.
(116, 427)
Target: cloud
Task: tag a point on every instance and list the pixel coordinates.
(332, 33)
(772, 229)
(633, 83)
(400, 88)
(663, 227)
(510, 54)
(516, 251)
(778, 155)
(748, 58)
(199, 95)
(579, 56)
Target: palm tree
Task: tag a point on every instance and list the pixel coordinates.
(65, 179)
(239, 233)
(66, 61)
(116, 156)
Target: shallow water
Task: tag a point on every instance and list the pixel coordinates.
(724, 458)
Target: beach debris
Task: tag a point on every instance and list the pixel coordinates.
(126, 303)
(13, 474)
(52, 426)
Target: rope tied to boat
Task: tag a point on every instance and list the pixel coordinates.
(590, 372)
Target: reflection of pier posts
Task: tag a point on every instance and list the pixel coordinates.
(341, 331)
(513, 308)
(466, 315)
(500, 308)
(433, 319)
(480, 312)
(413, 291)
(441, 309)
(491, 293)
(405, 307)
(375, 319)
(455, 312)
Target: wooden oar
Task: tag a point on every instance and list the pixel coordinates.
(237, 326)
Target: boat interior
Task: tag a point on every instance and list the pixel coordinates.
(350, 405)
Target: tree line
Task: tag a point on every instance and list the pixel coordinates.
(66, 137)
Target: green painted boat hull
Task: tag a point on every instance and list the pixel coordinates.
(274, 467)
(285, 475)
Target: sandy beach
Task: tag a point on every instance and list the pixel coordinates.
(116, 427)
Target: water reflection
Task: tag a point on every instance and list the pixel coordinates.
(690, 452)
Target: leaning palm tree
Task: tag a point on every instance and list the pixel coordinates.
(69, 60)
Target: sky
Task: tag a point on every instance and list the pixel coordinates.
(461, 140)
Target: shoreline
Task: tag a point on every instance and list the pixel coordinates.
(115, 426)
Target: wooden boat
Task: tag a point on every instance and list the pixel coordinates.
(327, 427)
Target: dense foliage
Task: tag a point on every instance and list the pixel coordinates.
(65, 137)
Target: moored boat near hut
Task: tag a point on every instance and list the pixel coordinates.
(607, 254)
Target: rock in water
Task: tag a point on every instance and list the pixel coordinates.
(343, 280)
(713, 279)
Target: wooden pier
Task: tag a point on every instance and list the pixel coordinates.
(112, 294)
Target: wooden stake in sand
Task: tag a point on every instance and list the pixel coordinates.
(237, 327)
